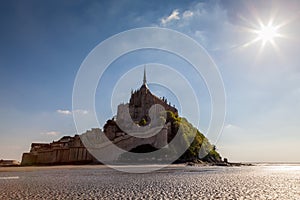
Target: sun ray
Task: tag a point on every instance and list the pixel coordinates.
(248, 22)
(264, 33)
(251, 42)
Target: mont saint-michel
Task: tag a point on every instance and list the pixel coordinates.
(138, 113)
(215, 115)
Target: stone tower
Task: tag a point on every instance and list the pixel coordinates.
(140, 103)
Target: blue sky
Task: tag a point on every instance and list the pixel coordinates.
(43, 44)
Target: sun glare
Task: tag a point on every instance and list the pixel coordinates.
(267, 33)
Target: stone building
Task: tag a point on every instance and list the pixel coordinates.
(135, 114)
(140, 103)
(131, 116)
(67, 150)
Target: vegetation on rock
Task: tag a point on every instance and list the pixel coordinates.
(189, 132)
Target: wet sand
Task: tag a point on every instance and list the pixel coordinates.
(174, 182)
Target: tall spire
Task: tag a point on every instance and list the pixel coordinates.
(144, 80)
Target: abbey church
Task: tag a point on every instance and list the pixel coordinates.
(142, 100)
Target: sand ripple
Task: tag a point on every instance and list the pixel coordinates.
(171, 183)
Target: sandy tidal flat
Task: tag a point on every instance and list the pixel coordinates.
(175, 182)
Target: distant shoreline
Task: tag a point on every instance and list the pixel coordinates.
(99, 166)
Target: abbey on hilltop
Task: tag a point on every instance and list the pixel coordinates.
(140, 103)
(71, 150)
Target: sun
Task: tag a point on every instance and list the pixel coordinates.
(267, 33)
(263, 34)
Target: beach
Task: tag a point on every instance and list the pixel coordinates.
(173, 182)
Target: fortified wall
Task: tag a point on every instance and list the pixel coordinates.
(67, 150)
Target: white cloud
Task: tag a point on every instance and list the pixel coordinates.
(68, 112)
(53, 133)
(84, 112)
(174, 16)
(64, 112)
(186, 14)
(203, 22)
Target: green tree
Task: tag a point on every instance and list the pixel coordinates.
(143, 122)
